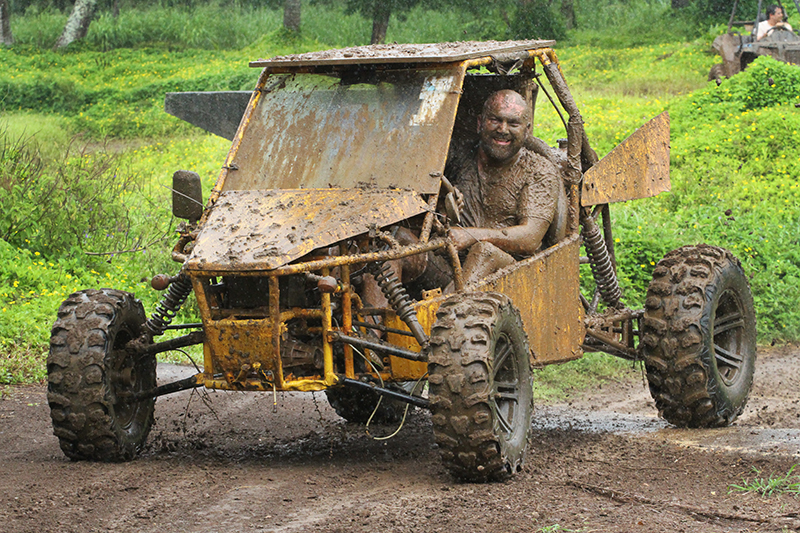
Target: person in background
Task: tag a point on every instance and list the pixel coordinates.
(774, 21)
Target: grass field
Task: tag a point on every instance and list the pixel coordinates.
(86, 151)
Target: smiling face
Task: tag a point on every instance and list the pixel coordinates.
(776, 17)
(503, 126)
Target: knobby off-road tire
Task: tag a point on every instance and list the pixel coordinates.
(699, 337)
(481, 388)
(716, 73)
(89, 373)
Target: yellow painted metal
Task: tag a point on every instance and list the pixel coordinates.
(202, 304)
(276, 330)
(637, 168)
(327, 348)
(262, 230)
(404, 369)
(300, 385)
(347, 316)
(545, 289)
(235, 343)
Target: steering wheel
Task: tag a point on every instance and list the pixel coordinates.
(781, 28)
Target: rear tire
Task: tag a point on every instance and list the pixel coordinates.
(699, 337)
(357, 406)
(90, 372)
(481, 387)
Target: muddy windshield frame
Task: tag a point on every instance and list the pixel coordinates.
(385, 128)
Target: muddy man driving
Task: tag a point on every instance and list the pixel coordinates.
(509, 193)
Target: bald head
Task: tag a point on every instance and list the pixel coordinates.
(503, 126)
(506, 99)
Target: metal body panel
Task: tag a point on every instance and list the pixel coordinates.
(234, 343)
(405, 369)
(381, 129)
(218, 112)
(545, 288)
(637, 168)
(262, 230)
(407, 53)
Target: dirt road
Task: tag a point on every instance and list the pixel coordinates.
(222, 462)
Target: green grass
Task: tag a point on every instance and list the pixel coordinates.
(555, 382)
(773, 485)
(732, 168)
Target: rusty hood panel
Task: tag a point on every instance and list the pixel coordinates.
(637, 168)
(262, 230)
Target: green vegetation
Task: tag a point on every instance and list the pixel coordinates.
(554, 382)
(788, 483)
(86, 150)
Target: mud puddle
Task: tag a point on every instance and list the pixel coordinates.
(736, 439)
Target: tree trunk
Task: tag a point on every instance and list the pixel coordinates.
(6, 38)
(380, 21)
(568, 12)
(291, 15)
(77, 24)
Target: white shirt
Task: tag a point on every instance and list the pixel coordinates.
(764, 27)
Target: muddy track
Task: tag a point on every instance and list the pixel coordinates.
(600, 461)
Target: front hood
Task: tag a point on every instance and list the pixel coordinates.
(262, 230)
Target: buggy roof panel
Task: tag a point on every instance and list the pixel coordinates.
(403, 53)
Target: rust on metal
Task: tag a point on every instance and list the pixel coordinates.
(637, 168)
(545, 289)
(405, 53)
(262, 230)
(314, 131)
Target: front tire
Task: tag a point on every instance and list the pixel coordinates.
(699, 337)
(716, 73)
(90, 374)
(481, 387)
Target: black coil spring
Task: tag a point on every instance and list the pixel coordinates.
(169, 305)
(398, 298)
(394, 290)
(600, 261)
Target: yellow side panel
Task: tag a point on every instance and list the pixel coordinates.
(637, 168)
(545, 289)
(234, 343)
(404, 369)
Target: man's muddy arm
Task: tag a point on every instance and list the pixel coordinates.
(523, 239)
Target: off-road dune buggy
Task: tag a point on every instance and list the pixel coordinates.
(336, 153)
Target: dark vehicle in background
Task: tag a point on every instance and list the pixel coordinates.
(738, 51)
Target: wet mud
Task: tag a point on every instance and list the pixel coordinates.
(599, 461)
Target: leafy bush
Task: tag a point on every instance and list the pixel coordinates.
(537, 20)
(734, 171)
(82, 201)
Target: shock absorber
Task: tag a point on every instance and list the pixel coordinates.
(169, 305)
(398, 298)
(602, 269)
